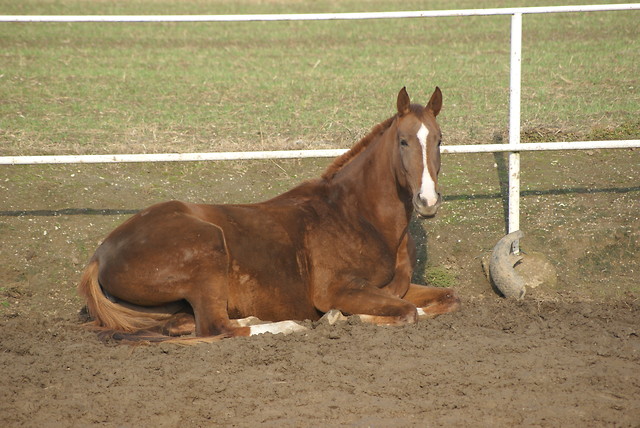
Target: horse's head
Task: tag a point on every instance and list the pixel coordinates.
(418, 140)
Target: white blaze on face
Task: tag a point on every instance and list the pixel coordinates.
(428, 189)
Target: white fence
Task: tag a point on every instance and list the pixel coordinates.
(514, 147)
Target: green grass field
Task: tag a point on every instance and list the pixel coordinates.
(132, 88)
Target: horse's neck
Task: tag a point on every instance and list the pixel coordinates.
(370, 181)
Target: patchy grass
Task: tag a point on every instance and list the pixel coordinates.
(104, 88)
(613, 254)
(438, 276)
(4, 303)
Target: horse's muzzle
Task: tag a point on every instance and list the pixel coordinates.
(422, 207)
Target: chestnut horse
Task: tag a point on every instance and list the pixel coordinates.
(338, 242)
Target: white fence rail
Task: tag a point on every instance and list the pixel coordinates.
(514, 147)
(298, 154)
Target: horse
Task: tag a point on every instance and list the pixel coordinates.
(338, 242)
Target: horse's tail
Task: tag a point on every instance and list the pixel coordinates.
(110, 315)
(128, 323)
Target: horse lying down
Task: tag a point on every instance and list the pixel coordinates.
(338, 242)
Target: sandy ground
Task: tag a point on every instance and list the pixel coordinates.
(496, 363)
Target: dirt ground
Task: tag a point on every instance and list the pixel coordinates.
(568, 355)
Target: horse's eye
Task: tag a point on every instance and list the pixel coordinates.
(403, 142)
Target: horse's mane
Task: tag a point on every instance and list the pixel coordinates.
(341, 161)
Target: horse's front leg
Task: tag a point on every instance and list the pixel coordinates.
(371, 304)
(432, 301)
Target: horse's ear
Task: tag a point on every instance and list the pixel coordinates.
(435, 103)
(403, 102)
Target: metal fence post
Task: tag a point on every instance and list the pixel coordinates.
(514, 125)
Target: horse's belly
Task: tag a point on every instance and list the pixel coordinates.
(268, 273)
(269, 280)
(249, 296)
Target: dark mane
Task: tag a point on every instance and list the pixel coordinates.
(343, 160)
